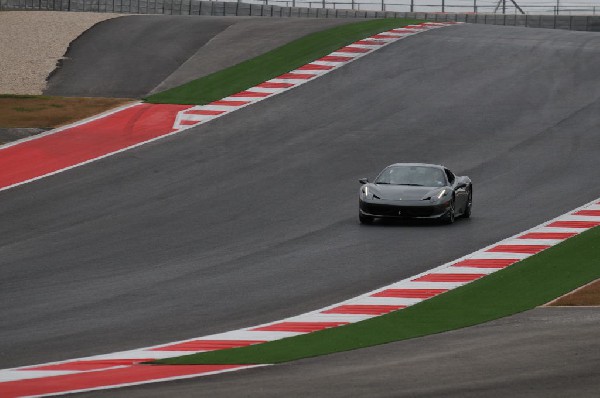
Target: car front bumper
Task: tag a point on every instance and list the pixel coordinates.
(403, 209)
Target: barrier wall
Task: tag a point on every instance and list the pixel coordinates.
(217, 8)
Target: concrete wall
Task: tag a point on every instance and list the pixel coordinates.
(196, 7)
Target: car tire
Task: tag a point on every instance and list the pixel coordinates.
(467, 212)
(364, 219)
(449, 217)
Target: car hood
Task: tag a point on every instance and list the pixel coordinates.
(402, 192)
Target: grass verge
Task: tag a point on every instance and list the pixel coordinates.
(38, 111)
(273, 63)
(523, 286)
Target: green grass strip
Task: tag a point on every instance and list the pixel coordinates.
(273, 63)
(525, 285)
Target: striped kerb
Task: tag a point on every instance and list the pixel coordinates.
(548, 235)
(486, 262)
(207, 345)
(303, 327)
(528, 249)
(353, 50)
(409, 293)
(595, 213)
(574, 224)
(363, 309)
(448, 277)
(250, 94)
(296, 76)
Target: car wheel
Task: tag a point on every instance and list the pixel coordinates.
(365, 219)
(467, 212)
(448, 218)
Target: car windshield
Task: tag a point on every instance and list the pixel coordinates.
(420, 176)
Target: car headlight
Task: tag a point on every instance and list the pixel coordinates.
(441, 194)
(365, 192)
(437, 196)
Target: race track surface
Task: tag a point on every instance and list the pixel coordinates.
(252, 217)
(546, 352)
(131, 56)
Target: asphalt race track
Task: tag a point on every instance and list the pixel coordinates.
(131, 56)
(253, 217)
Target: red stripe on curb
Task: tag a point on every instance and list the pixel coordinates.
(335, 58)
(405, 31)
(574, 224)
(250, 94)
(486, 262)
(448, 277)
(315, 67)
(588, 213)
(110, 377)
(229, 103)
(207, 345)
(204, 112)
(369, 43)
(75, 145)
(187, 122)
(364, 309)
(275, 85)
(384, 37)
(296, 76)
(304, 327)
(410, 293)
(85, 365)
(548, 235)
(529, 249)
(353, 50)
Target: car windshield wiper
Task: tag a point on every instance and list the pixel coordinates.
(381, 182)
(412, 185)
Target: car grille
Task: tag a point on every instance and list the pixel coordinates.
(397, 211)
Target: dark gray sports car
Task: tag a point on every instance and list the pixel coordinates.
(415, 190)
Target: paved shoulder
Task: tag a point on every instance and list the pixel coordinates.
(132, 56)
(247, 38)
(128, 56)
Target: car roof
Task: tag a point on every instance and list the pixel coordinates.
(418, 164)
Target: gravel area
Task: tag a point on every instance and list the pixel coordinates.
(32, 42)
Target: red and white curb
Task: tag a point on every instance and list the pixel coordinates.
(123, 368)
(204, 113)
(140, 123)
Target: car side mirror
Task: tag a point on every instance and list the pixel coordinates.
(363, 180)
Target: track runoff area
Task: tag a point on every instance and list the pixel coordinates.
(112, 132)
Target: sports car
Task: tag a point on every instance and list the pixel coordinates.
(415, 190)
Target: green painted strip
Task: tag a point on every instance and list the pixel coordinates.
(520, 287)
(274, 63)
